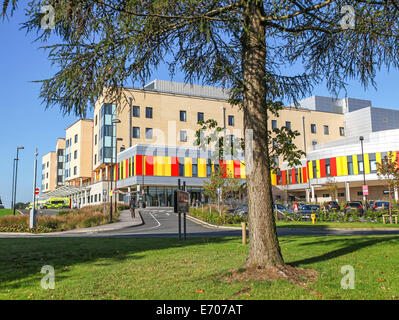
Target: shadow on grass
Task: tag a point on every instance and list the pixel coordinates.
(349, 246)
(22, 259)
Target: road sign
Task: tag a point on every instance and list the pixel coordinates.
(182, 201)
(37, 191)
(116, 190)
(365, 190)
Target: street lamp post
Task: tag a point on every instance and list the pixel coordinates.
(114, 122)
(361, 138)
(16, 175)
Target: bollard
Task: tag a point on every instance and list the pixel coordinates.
(313, 218)
(244, 232)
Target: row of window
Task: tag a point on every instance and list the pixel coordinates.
(69, 141)
(312, 128)
(182, 115)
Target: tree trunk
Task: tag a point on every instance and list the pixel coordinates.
(264, 249)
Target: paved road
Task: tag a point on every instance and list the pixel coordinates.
(163, 222)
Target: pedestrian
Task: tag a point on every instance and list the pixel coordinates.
(133, 208)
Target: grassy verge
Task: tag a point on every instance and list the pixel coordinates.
(195, 269)
(90, 216)
(6, 212)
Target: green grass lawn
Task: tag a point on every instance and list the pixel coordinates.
(195, 269)
(6, 212)
(323, 225)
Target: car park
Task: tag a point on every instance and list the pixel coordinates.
(332, 205)
(307, 210)
(380, 205)
(282, 208)
(354, 206)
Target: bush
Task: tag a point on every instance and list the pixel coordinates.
(213, 216)
(65, 220)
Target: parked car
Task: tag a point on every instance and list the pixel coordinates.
(241, 210)
(282, 208)
(354, 205)
(380, 205)
(307, 210)
(332, 205)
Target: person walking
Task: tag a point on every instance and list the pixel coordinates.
(133, 207)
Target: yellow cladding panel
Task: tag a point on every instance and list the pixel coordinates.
(378, 157)
(310, 168)
(159, 165)
(188, 167)
(168, 166)
(202, 168)
(318, 168)
(230, 168)
(355, 164)
(366, 163)
(242, 169)
(344, 165)
(339, 166)
(274, 179)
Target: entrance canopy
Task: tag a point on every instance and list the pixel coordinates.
(65, 191)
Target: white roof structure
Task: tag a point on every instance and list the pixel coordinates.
(64, 191)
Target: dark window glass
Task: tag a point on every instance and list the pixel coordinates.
(313, 128)
(183, 116)
(326, 130)
(148, 112)
(183, 136)
(274, 124)
(342, 131)
(288, 124)
(136, 132)
(200, 116)
(136, 111)
(148, 133)
(231, 120)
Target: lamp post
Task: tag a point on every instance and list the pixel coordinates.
(114, 122)
(16, 175)
(361, 138)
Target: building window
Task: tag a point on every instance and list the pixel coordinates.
(360, 163)
(95, 140)
(148, 112)
(326, 195)
(75, 171)
(328, 168)
(148, 133)
(76, 138)
(183, 136)
(350, 165)
(288, 124)
(341, 194)
(200, 116)
(274, 124)
(48, 164)
(342, 131)
(47, 175)
(136, 132)
(373, 163)
(96, 120)
(95, 159)
(183, 116)
(231, 120)
(75, 154)
(326, 130)
(195, 170)
(359, 193)
(313, 128)
(136, 111)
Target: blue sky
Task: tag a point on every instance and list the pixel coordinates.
(25, 121)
